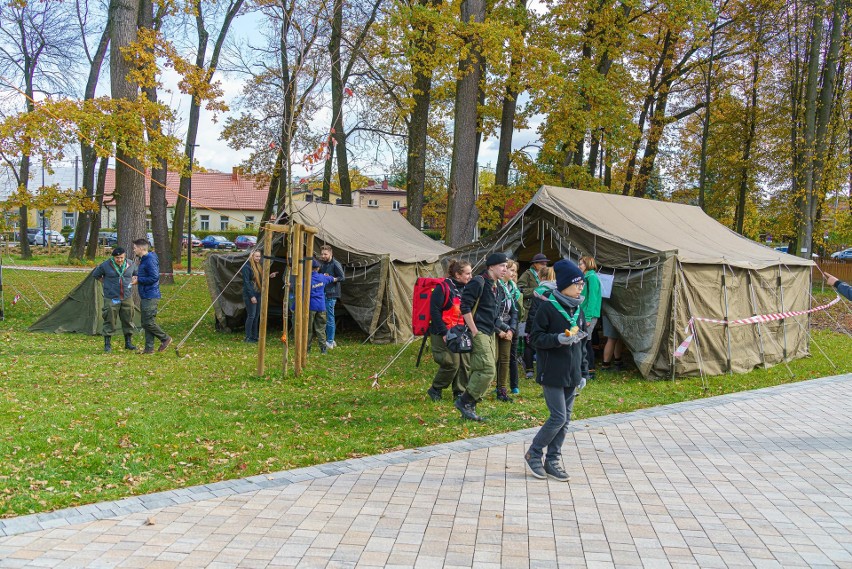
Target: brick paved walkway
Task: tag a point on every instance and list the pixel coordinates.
(762, 478)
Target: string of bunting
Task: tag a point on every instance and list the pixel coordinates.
(757, 319)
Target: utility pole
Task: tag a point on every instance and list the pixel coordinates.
(44, 239)
(189, 212)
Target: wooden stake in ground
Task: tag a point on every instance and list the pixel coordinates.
(264, 301)
(309, 258)
(298, 272)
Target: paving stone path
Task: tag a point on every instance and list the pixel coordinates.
(755, 479)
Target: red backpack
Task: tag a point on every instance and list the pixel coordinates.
(423, 288)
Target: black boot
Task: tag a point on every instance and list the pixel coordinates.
(467, 407)
(107, 344)
(128, 342)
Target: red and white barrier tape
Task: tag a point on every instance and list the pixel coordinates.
(757, 319)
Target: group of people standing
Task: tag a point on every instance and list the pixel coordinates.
(544, 308)
(118, 276)
(326, 276)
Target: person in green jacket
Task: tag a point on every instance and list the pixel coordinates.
(527, 282)
(591, 304)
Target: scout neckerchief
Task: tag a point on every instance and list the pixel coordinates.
(563, 312)
(535, 275)
(515, 291)
(120, 272)
(509, 298)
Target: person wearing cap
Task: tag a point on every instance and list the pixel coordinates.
(316, 325)
(479, 308)
(117, 275)
(840, 286)
(527, 282)
(558, 335)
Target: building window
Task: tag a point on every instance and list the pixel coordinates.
(249, 222)
(205, 223)
(396, 205)
(372, 203)
(69, 219)
(223, 223)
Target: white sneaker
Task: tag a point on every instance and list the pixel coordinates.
(333, 344)
(329, 345)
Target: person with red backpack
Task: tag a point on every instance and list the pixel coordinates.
(445, 312)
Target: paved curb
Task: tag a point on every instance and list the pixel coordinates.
(149, 502)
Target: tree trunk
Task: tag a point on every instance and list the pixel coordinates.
(418, 123)
(94, 231)
(129, 181)
(327, 171)
(510, 102)
(23, 211)
(655, 135)
(705, 126)
(87, 153)
(461, 209)
(337, 104)
(819, 96)
(752, 127)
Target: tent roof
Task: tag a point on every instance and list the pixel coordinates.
(368, 232)
(659, 226)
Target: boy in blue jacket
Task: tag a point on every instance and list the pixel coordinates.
(148, 286)
(317, 306)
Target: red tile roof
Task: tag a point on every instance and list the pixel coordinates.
(213, 190)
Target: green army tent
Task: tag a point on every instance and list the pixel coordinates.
(669, 262)
(382, 256)
(79, 311)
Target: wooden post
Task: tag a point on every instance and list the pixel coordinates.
(297, 321)
(264, 301)
(309, 255)
(286, 304)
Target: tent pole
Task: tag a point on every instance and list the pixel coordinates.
(754, 313)
(783, 320)
(727, 325)
(674, 326)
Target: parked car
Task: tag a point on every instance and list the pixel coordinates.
(53, 237)
(31, 233)
(217, 242)
(108, 238)
(245, 241)
(196, 242)
(845, 255)
(783, 248)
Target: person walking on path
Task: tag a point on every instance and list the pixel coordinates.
(840, 286)
(317, 323)
(251, 273)
(527, 282)
(559, 339)
(591, 305)
(479, 308)
(445, 312)
(331, 267)
(148, 285)
(117, 275)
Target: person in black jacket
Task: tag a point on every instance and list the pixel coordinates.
(331, 267)
(559, 340)
(445, 312)
(479, 308)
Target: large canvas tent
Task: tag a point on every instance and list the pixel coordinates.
(669, 262)
(382, 256)
(79, 312)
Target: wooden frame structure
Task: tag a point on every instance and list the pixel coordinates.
(300, 246)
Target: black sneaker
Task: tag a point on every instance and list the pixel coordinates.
(555, 471)
(468, 410)
(503, 396)
(535, 467)
(434, 394)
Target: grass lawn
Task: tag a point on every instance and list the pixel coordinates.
(80, 426)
